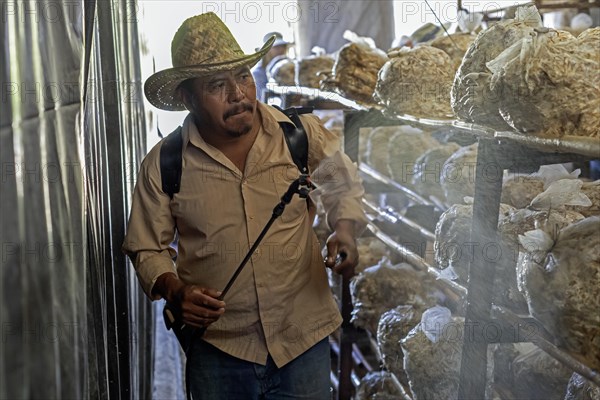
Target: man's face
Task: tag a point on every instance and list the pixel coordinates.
(224, 103)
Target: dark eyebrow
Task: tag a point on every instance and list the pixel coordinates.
(243, 70)
(214, 80)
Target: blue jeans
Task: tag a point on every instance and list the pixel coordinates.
(215, 375)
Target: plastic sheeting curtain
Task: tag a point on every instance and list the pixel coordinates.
(74, 322)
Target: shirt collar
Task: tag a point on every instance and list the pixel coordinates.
(271, 117)
(191, 134)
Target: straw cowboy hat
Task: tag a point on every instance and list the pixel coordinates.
(203, 45)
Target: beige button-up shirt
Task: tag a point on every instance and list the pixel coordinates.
(281, 303)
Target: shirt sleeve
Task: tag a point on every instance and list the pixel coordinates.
(151, 227)
(339, 186)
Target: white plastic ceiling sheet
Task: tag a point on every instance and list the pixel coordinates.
(322, 23)
(74, 322)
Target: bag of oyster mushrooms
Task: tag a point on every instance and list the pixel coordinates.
(554, 79)
(559, 272)
(404, 147)
(311, 70)
(557, 207)
(580, 388)
(520, 190)
(356, 66)
(523, 371)
(393, 326)
(378, 385)
(433, 353)
(454, 249)
(471, 97)
(537, 375)
(428, 171)
(433, 368)
(547, 212)
(552, 173)
(455, 45)
(453, 246)
(385, 286)
(282, 71)
(416, 82)
(377, 148)
(458, 175)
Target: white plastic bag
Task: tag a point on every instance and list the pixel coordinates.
(433, 322)
(536, 241)
(555, 172)
(560, 193)
(366, 42)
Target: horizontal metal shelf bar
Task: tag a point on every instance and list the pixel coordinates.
(502, 9)
(390, 182)
(315, 93)
(543, 343)
(334, 380)
(587, 146)
(580, 145)
(394, 218)
(468, 127)
(577, 145)
(415, 260)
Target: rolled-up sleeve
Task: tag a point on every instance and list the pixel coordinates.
(151, 228)
(338, 184)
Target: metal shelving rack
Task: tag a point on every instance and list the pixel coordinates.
(497, 151)
(500, 151)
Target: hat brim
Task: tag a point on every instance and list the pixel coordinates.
(161, 88)
(279, 42)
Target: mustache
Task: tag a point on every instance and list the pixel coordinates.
(238, 109)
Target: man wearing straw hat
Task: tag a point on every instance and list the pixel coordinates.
(269, 337)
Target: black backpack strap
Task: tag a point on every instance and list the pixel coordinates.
(171, 152)
(295, 136)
